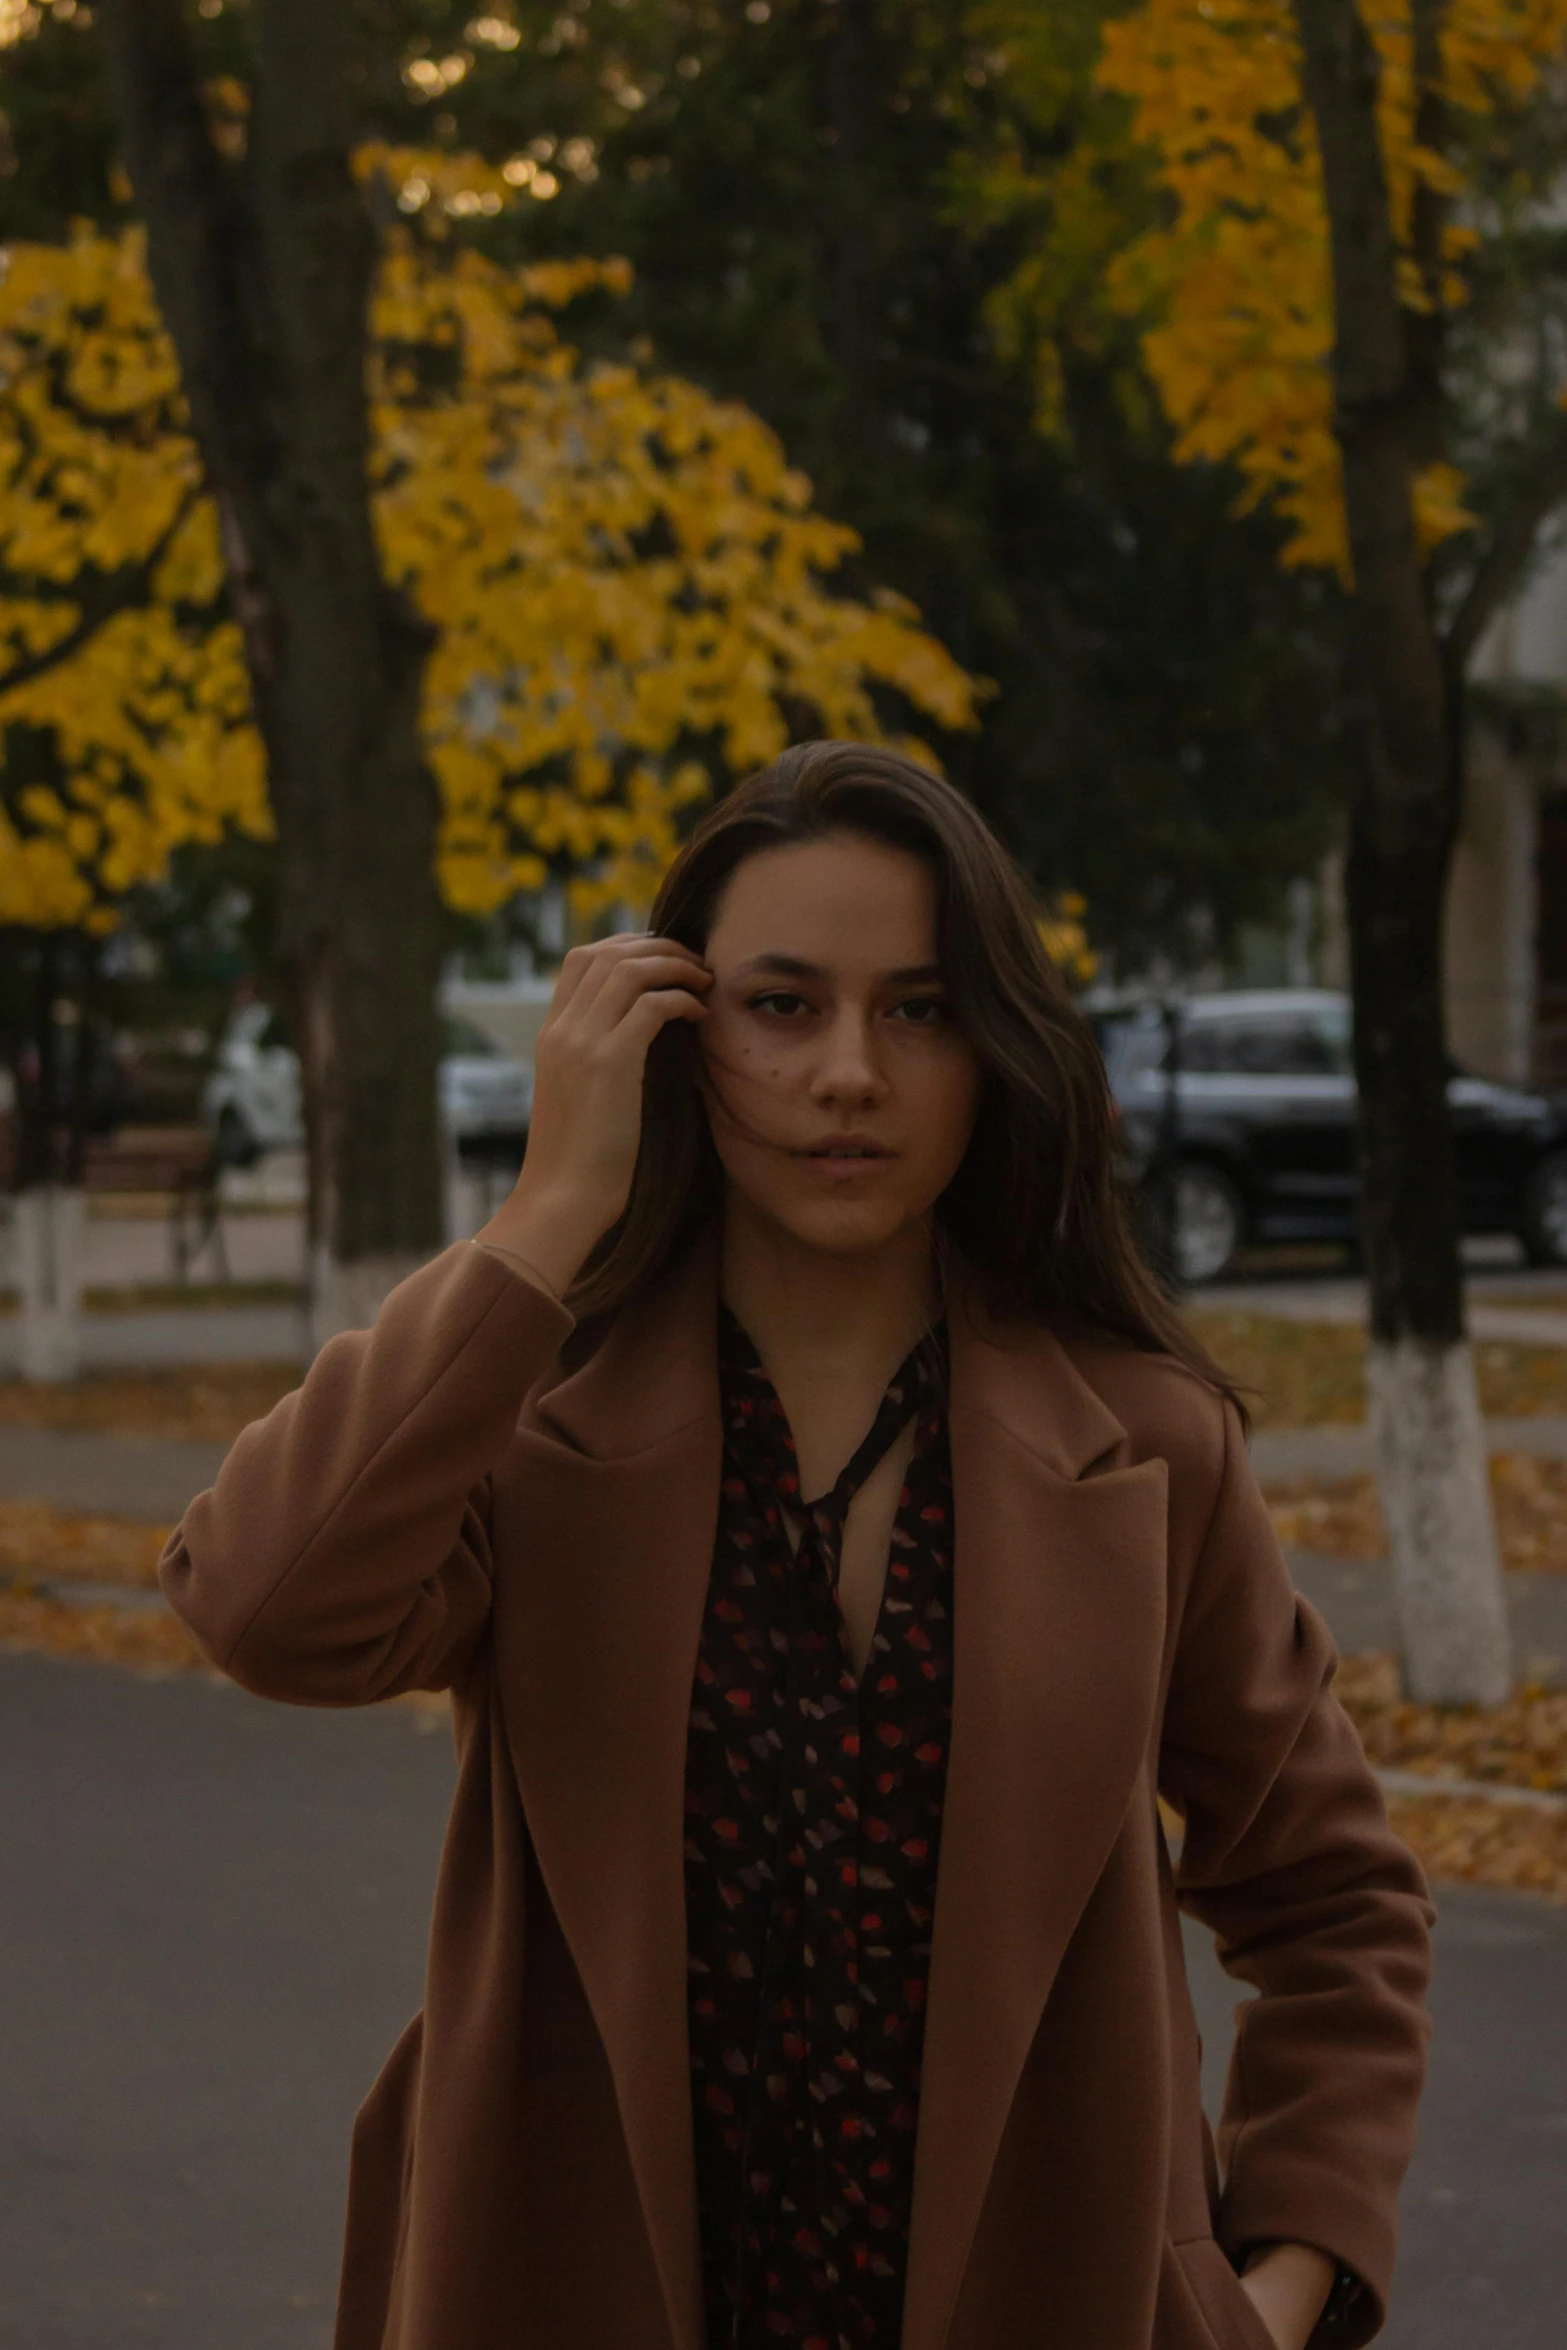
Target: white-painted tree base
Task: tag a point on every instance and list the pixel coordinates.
(348, 1297)
(47, 1223)
(1433, 1479)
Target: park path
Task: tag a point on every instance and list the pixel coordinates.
(163, 1338)
(216, 1914)
(150, 1477)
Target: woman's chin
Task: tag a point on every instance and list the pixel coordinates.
(836, 1227)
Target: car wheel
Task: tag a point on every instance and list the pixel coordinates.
(1208, 1222)
(1545, 1212)
(237, 1146)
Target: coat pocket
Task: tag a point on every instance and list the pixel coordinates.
(380, 2160)
(1226, 2310)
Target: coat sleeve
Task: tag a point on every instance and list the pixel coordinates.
(343, 1554)
(1289, 1859)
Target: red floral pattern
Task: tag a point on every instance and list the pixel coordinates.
(813, 1822)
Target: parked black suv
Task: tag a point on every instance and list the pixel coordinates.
(1257, 1122)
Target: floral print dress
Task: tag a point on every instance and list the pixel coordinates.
(813, 1822)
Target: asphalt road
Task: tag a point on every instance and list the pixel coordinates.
(212, 1926)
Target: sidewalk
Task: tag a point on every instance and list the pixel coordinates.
(1356, 1597)
(127, 1248)
(217, 1913)
(127, 1243)
(151, 1477)
(127, 1251)
(162, 1337)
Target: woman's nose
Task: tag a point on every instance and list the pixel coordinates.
(849, 1068)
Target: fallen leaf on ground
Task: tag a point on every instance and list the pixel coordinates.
(1343, 1517)
(1292, 1374)
(1520, 1744)
(1340, 1516)
(1471, 1842)
(145, 1640)
(1518, 1380)
(42, 1545)
(150, 1640)
(211, 1403)
(1313, 1374)
(431, 1708)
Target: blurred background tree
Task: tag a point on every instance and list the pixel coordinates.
(595, 590)
(829, 206)
(124, 705)
(836, 212)
(626, 578)
(1354, 291)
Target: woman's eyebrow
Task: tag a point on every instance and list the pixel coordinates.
(795, 967)
(781, 967)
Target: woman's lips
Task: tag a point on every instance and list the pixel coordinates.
(846, 1157)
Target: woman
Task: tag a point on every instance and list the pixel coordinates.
(833, 1546)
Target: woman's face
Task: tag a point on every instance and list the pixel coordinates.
(841, 1093)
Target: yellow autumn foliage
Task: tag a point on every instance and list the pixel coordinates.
(628, 583)
(1237, 282)
(1064, 936)
(98, 479)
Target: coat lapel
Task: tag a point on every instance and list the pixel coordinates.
(614, 1485)
(605, 1516)
(1059, 1596)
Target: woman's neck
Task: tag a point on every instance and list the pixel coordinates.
(816, 1316)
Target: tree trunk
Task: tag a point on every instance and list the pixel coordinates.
(263, 274)
(1427, 1432)
(49, 1117)
(1428, 1438)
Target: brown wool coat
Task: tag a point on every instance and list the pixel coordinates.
(440, 1507)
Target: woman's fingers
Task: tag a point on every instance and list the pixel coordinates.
(587, 971)
(635, 978)
(659, 1006)
(611, 1001)
(607, 954)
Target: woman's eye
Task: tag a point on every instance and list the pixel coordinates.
(780, 1002)
(922, 1011)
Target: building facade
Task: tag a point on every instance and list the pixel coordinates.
(1507, 910)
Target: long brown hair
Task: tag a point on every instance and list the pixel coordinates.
(1034, 1208)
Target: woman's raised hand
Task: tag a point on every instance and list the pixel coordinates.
(610, 1002)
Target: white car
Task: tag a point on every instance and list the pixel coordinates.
(252, 1098)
